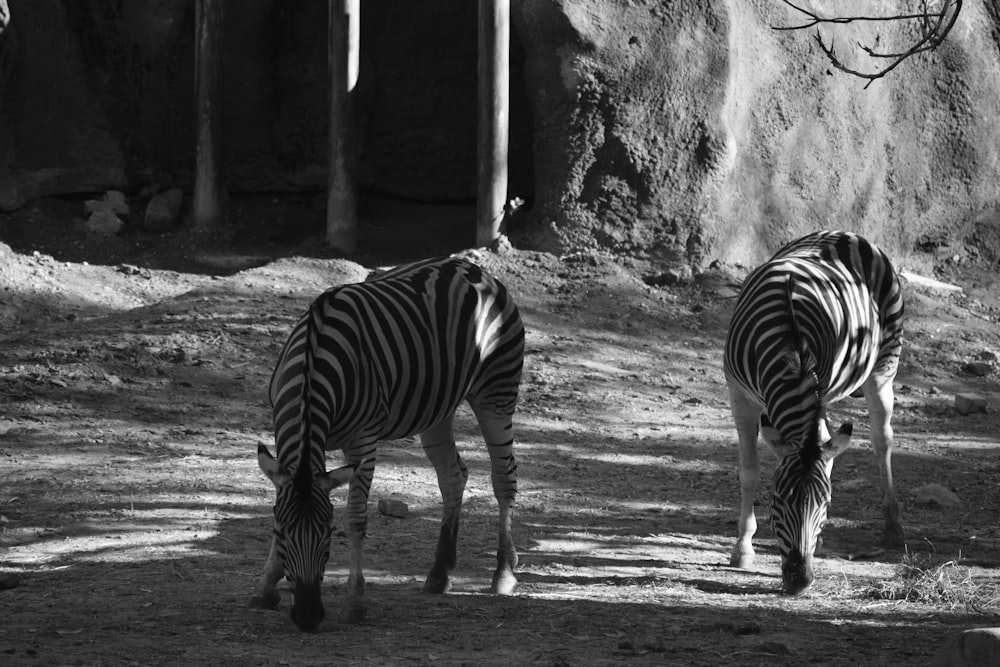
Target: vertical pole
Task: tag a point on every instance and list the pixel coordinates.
(207, 209)
(494, 114)
(341, 204)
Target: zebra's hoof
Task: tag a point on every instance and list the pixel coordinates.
(504, 583)
(355, 614)
(264, 601)
(893, 537)
(743, 559)
(437, 585)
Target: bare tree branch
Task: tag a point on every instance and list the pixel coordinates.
(934, 26)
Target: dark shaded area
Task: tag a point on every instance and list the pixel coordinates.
(99, 94)
(258, 228)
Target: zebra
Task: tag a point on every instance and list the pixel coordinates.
(818, 321)
(383, 359)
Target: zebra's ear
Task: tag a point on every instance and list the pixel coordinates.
(338, 477)
(839, 443)
(270, 466)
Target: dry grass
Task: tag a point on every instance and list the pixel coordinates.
(929, 579)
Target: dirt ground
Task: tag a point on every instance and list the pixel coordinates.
(135, 521)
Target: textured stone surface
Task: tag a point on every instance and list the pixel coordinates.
(936, 495)
(163, 210)
(104, 222)
(967, 403)
(973, 648)
(699, 126)
(393, 507)
(113, 201)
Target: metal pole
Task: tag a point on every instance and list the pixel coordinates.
(341, 204)
(207, 208)
(494, 114)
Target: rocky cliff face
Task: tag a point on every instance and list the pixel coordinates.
(684, 131)
(695, 130)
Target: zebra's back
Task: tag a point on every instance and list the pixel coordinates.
(398, 354)
(833, 294)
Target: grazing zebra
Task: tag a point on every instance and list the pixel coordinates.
(820, 319)
(380, 360)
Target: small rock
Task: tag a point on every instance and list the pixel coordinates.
(393, 507)
(935, 495)
(579, 258)
(988, 356)
(113, 201)
(163, 210)
(979, 368)
(664, 279)
(9, 580)
(116, 201)
(968, 403)
(979, 646)
(104, 222)
(501, 245)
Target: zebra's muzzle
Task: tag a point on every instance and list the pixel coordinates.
(796, 573)
(307, 610)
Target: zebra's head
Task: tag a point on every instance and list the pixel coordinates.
(802, 493)
(303, 523)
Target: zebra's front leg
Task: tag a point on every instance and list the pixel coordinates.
(746, 415)
(439, 445)
(879, 399)
(357, 528)
(267, 596)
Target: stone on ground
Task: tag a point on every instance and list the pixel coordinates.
(972, 648)
(393, 507)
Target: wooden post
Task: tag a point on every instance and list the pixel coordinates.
(207, 208)
(341, 203)
(494, 114)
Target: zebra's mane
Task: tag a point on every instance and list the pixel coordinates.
(303, 471)
(811, 448)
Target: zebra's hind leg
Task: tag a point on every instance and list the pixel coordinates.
(746, 415)
(267, 596)
(879, 399)
(498, 432)
(439, 445)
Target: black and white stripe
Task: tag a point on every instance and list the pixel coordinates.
(818, 321)
(381, 360)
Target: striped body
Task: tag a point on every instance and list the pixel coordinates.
(815, 323)
(385, 359)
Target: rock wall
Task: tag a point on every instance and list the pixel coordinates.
(693, 131)
(684, 132)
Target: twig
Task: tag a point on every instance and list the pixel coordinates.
(934, 27)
